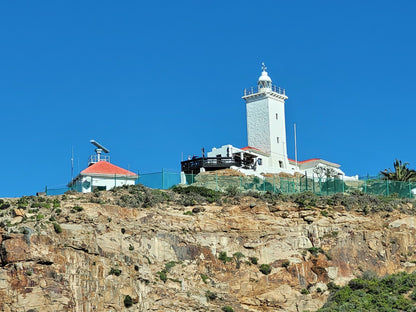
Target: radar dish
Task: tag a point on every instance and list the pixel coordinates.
(99, 146)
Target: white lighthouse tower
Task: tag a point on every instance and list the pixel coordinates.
(266, 126)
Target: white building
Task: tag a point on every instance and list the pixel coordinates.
(266, 151)
(101, 174)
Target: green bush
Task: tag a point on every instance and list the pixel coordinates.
(39, 217)
(266, 269)
(131, 247)
(169, 265)
(285, 263)
(304, 291)
(315, 250)
(210, 295)
(227, 309)
(116, 272)
(223, 257)
(207, 194)
(254, 260)
(375, 294)
(163, 275)
(128, 301)
(78, 208)
(57, 228)
(204, 278)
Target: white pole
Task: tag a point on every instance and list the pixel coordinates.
(296, 148)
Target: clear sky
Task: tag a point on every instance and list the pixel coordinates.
(151, 80)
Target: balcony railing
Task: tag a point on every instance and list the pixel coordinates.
(94, 159)
(213, 163)
(254, 90)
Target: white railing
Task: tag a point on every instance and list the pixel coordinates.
(94, 159)
(254, 90)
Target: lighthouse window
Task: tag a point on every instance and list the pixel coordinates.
(277, 116)
(277, 139)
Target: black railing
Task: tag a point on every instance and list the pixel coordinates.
(212, 163)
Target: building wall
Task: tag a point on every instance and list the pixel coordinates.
(265, 131)
(278, 130)
(258, 131)
(87, 182)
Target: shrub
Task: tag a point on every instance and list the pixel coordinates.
(169, 265)
(266, 269)
(210, 295)
(39, 217)
(285, 263)
(315, 250)
(78, 208)
(128, 301)
(57, 228)
(131, 247)
(4, 204)
(304, 291)
(58, 211)
(207, 194)
(188, 213)
(163, 275)
(227, 309)
(224, 258)
(204, 278)
(116, 272)
(254, 260)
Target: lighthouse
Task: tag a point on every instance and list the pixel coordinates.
(266, 126)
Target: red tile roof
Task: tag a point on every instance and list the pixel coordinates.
(249, 148)
(305, 161)
(104, 167)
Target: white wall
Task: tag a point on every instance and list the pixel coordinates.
(108, 182)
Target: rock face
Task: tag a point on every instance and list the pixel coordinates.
(166, 260)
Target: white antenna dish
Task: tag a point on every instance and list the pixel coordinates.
(99, 149)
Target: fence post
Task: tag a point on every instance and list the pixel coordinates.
(115, 180)
(216, 180)
(320, 186)
(306, 176)
(163, 179)
(46, 190)
(274, 184)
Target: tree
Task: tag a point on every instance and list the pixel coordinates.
(401, 172)
(324, 172)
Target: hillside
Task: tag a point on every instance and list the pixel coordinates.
(192, 249)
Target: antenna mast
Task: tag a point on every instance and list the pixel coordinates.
(296, 148)
(72, 164)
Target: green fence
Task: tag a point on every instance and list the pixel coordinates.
(320, 186)
(276, 184)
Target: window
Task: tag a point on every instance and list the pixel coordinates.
(277, 139)
(277, 116)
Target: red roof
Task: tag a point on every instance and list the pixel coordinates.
(305, 161)
(104, 167)
(249, 148)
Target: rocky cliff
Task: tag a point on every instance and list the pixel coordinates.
(139, 250)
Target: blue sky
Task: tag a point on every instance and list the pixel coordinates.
(153, 80)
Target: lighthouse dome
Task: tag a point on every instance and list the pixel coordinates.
(265, 77)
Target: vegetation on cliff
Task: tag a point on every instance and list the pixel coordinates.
(391, 293)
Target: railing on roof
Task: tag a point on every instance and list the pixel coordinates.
(94, 159)
(254, 90)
